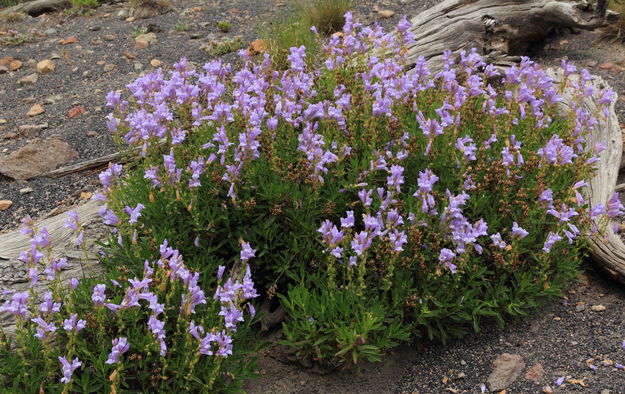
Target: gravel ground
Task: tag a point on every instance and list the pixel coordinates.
(561, 337)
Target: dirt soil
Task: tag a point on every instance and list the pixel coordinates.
(561, 338)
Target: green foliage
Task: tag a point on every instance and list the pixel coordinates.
(293, 29)
(339, 328)
(19, 39)
(616, 29)
(326, 15)
(224, 26)
(7, 3)
(181, 26)
(139, 30)
(223, 46)
(83, 7)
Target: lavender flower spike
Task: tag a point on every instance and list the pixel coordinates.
(120, 346)
(68, 369)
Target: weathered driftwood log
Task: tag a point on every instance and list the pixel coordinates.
(14, 273)
(500, 30)
(35, 7)
(608, 250)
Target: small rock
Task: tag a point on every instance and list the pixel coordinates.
(122, 14)
(580, 308)
(26, 190)
(55, 56)
(9, 135)
(85, 195)
(131, 19)
(3, 121)
(49, 32)
(30, 130)
(45, 66)
(110, 37)
(195, 36)
(257, 46)
(92, 133)
(462, 375)
(94, 28)
(70, 40)
(35, 110)
(155, 62)
(547, 390)
(15, 65)
(37, 157)
(5, 204)
(143, 40)
(592, 63)
(606, 66)
(386, 13)
(5, 61)
(535, 373)
(53, 99)
(138, 66)
(128, 55)
(507, 368)
(598, 308)
(76, 111)
(463, 363)
(4, 69)
(28, 80)
(605, 391)
(108, 67)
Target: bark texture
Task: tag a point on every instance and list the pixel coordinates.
(500, 30)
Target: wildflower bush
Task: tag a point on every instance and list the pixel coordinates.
(379, 205)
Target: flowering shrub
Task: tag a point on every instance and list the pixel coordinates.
(156, 333)
(384, 204)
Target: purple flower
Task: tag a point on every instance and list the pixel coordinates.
(615, 208)
(352, 261)
(134, 213)
(98, 296)
(361, 242)
(72, 222)
(518, 231)
(246, 251)
(551, 240)
(546, 196)
(220, 272)
(68, 369)
(348, 221)
(365, 197)
(205, 344)
(48, 305)
(224, 341)
(396, 178)
(467, 147)
(497, 241)
(446, 256)
(157, 328)
(120, 346)
(398, 239)
(18, 306)
(73, 283)
(556, 152)
(559, 381)
(72, 324)
(43, 328)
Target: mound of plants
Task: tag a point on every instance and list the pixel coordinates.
(374, 204)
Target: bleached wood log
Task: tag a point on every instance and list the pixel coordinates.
(14, 273)
(608, 250)
(501, 30)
